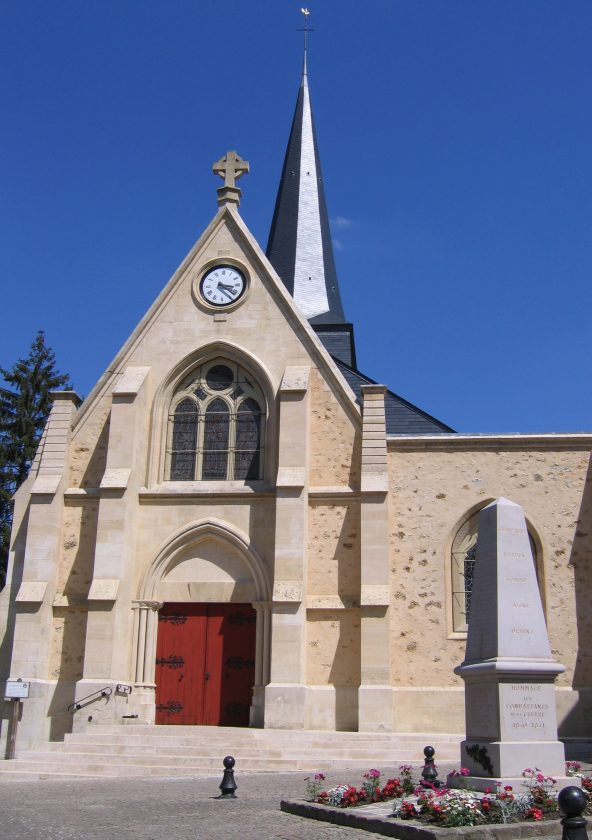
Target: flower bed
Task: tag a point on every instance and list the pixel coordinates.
(452, 807)
(371, 790)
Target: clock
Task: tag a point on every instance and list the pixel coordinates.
(222, 285)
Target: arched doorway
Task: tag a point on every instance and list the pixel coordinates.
(202, 629)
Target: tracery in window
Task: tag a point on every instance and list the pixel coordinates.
(464, 555)
(216, 426)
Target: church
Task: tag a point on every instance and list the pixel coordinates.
(238, 527)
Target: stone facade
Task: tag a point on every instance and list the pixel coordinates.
(341, 544)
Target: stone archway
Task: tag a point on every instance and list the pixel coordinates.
(207, 562)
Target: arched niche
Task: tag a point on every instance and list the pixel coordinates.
(219, 551)
(208, 571)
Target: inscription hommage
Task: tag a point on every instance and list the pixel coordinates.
(527, 707)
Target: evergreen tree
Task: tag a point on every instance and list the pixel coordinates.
(24, 407)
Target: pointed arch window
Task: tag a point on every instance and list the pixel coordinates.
(184, 440)
(216, 441)
(464, 555)
(216, 426)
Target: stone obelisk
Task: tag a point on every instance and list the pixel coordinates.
(508, 670)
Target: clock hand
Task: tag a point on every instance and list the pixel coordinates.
(224, 286)
(225, 290)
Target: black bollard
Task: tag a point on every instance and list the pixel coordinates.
(572, 801)
(228, 785)
(429, 774)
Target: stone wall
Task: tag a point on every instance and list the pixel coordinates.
(334, 551)
(433, 488)
(334, 440)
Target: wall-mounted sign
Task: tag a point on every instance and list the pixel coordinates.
(16, 690)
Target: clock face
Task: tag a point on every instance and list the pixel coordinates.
(222, 285)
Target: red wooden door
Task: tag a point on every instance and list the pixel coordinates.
(205, 664)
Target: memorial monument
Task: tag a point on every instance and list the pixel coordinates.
(508, 670)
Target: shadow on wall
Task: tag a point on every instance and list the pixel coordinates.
(69, 626)
(578, 723)
(348, 556)
(10, 592)
(356, 459)
(333, 640)
(69, 622)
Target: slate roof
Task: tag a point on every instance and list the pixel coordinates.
(300, 236)
(402, 417)
(291, 219)
(339, 341)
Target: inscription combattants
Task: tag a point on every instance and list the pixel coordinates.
(525, 712)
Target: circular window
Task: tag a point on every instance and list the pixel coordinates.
(219, 378)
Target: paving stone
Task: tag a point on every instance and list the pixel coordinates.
(153, 809)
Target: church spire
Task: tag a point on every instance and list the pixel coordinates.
(299, 246)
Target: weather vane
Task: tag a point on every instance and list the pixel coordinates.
(306, 29)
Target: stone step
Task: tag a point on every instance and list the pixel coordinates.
(17, 775)
(388, 743)
(196, 751)
(141, 750)
(129, 767)
(185, 735)
(52, 770)
(212, 757)
(220, 732)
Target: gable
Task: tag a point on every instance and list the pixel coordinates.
(266, 324)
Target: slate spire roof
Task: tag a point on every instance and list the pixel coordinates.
(299, 246)
(301, 251)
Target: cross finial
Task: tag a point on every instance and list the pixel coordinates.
(306, 13)
(230, 167)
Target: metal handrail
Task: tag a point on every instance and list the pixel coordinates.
(100, 692)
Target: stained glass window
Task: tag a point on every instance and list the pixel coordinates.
(216, 431)
(248, 440)
(216, 440)
(184, 442)
(468, 574)
(464, 556)
(219, 378)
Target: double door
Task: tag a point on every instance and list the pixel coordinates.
(205, 664)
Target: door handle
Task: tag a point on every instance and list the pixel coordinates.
(206, 676)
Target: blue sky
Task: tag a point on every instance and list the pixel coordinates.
(456, 146)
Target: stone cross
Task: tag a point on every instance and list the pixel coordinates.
(231, 167)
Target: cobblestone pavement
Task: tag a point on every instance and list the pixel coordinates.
(165, 809)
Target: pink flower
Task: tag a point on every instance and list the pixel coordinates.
(508, 788)
(464, 771)
(319, 777)
(487, 790)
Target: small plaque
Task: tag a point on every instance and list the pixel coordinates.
(16, 690)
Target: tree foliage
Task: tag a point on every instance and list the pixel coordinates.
(25, 404)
